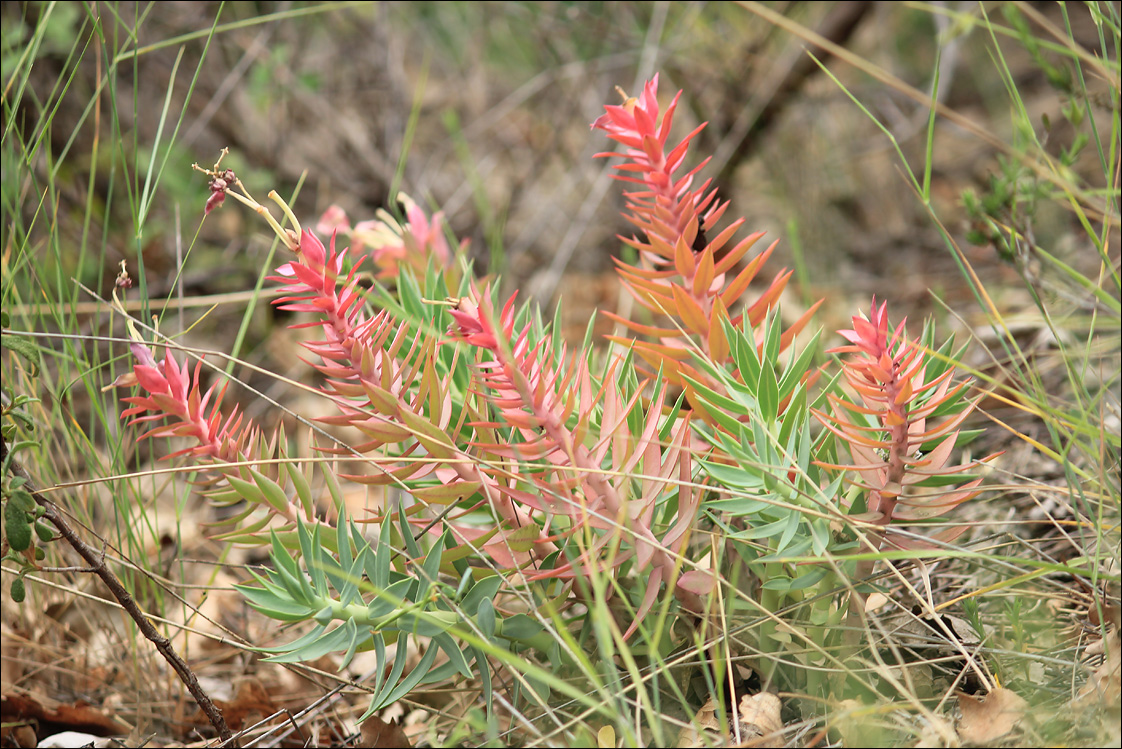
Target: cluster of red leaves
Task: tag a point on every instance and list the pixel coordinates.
(884, 433)
(687, 275)
(171, 391)
(536, 393)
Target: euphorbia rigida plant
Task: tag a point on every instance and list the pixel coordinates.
(780, 489)
(518, 475)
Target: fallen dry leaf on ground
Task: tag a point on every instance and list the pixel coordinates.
(705, 722)
(1104, 687)
(988, 719)
(52, 715)
(937, 732)
(760, 724)
(378, 734)
(760, 719)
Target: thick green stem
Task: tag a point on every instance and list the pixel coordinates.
(771, 601)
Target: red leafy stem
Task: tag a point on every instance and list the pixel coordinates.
(889, 373)
(682, 272)
(537, 397)
(171, 391)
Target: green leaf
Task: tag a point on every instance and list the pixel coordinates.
(26, 349)
(271, 491)
(485, 676)
(740, 506)
(378, 561)
(332, 483)
(432, 438)
(768, 530)
(485, 618)
(731, 476)
(793, 521)
(794, 423)
(16, 526)
(324, 616)
(349, 583)
(357, 636)
(20, 496)
(343, 549)
(389, 599)
(274, 606)
(429, 572)
(411, 544)
(482, 590)
(419, 672)
(820, 535)
(383, 690)
(799, 366)
(743, 350)
(331, 642)
(313, 556)
(767, 391)
(247, 490)
(445, 494)
(799, 548)
(307, 639)
(780, 583)
(455, 656)
(522, 539)
(289, 573)
(521, 627)
(808, 578)
(301, 486)
(15, 447)
(721, 408)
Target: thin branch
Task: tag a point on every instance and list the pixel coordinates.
(97, 566)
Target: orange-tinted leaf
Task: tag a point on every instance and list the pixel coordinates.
(741, 249)
(649, 330)
(718, 343)
(683, 256)
(690, 311)
(739, 284)
(703, 277)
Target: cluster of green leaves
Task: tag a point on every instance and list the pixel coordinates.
(350, 580)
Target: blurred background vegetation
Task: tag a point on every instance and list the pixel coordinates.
(481, 109)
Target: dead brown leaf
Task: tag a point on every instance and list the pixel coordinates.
(251, 704)
(378, 734)
(760, 721)
(704, 723)
(1105, 685)
(20, 707)
(988, 719)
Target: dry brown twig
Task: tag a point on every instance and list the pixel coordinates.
(96, 563)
